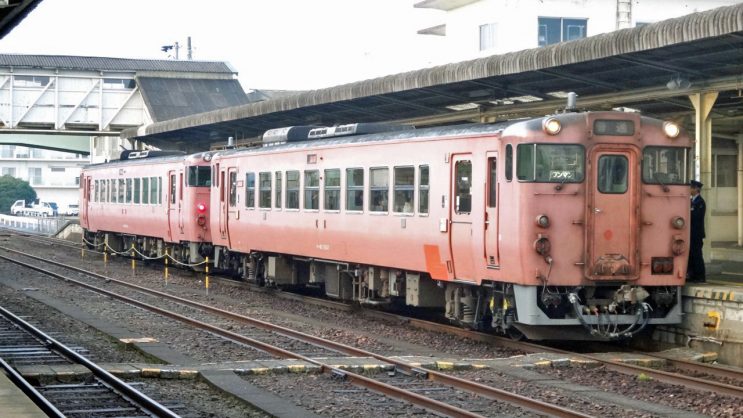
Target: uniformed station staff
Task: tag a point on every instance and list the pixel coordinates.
(695, 269)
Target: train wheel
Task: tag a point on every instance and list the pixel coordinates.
(514, 334)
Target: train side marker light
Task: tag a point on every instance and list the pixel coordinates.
(551, 126)
(671, 129)
(543, 221)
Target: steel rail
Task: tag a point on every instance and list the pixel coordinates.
(30, 391)
(427, 403)
(140, 398)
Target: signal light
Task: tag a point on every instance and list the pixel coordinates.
(201, 207)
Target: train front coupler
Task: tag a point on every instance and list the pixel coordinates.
(606, 322)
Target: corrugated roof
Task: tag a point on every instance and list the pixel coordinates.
(170, 98)
(112, 64)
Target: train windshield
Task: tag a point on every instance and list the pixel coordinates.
(665, 165)
(199, 176)
(549, 163)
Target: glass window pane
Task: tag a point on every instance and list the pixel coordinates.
(233, 189)
(146, 190)
(122, 190)
(509, 162)
(549, 29)
(612, 174)
(492, 181)
(665, 165)
(137, 187)
(379, 189)
(159, 190)
(292, 189)
(264, 200)
(525, 162)
(153, 190)
(355, 189)
(463, 187)
(423, 189)
(172, 188)
(250, 190)
(199, 176)
(128, 190)
(332, 189)
(404, 189)
(278, 190)
(312, 189)
(573, 29)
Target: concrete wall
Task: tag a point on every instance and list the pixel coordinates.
(698, 303)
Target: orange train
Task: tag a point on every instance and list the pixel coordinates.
(571, 226)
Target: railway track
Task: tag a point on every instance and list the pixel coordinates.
(435, 378)
(686, 372)
(102, 396)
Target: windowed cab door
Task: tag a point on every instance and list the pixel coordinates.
(612, 216)
(461, 231)
(228, 200)
(491, 211)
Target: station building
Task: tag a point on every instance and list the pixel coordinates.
(58, 113)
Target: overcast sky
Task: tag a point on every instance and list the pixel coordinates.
(272, 44)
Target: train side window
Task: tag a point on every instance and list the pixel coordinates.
(137, 186)
(145, 190)
(96, 190)
(492, 181)
(509, 162)
(104, 191)
(250, 190)
(525, 162)
(278, 190)
(128, 190)
(355, 189)
(172, 188)
(233, 188)
(463, 186)
(332, 189)
(404, 190)
(312, 189)
(114, 190)
(423, 185)
(612, 174)
(159, 190)
(122, 191)
(379, 186)
(153, 190)
(180, 187)
(264, 181)
(292, 189)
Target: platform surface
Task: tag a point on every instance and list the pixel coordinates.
(14, 403)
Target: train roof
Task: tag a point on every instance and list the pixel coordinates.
(141, 161)
(409, 134)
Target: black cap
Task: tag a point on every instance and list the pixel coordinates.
(696, 184)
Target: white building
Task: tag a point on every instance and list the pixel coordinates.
(54, 175)
(476, 28)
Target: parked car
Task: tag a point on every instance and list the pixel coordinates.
(72, 209)
(36, 208)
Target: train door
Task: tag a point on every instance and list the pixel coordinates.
(172, 205)
(461, 231)
(612, 216)
(491, 210)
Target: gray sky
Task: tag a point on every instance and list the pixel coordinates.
(273, 44)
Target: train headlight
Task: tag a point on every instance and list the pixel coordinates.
(551, 126)
(671, 129)
(543, 221)
(207, 156)
(678, 222)
(542, 246)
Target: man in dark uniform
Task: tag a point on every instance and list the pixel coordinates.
(695, 269)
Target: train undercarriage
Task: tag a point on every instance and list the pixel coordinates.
(605, 312)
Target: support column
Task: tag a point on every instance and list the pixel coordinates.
(703, 103)
(740, 190)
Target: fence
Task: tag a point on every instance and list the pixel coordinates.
(48, 226)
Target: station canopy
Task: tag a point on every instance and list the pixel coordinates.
(651, 69)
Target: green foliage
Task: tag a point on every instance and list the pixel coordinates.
(12, 189)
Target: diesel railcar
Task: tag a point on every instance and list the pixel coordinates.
(570, 226)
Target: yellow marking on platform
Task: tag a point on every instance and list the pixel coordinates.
(188, 374)
(296, 368)
(138, 340)
(445, 365)
(543, 363)
(260, 370)
(150, 372)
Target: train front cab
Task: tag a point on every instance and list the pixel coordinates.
(602, 218)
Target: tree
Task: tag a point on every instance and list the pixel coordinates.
(12, 189)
